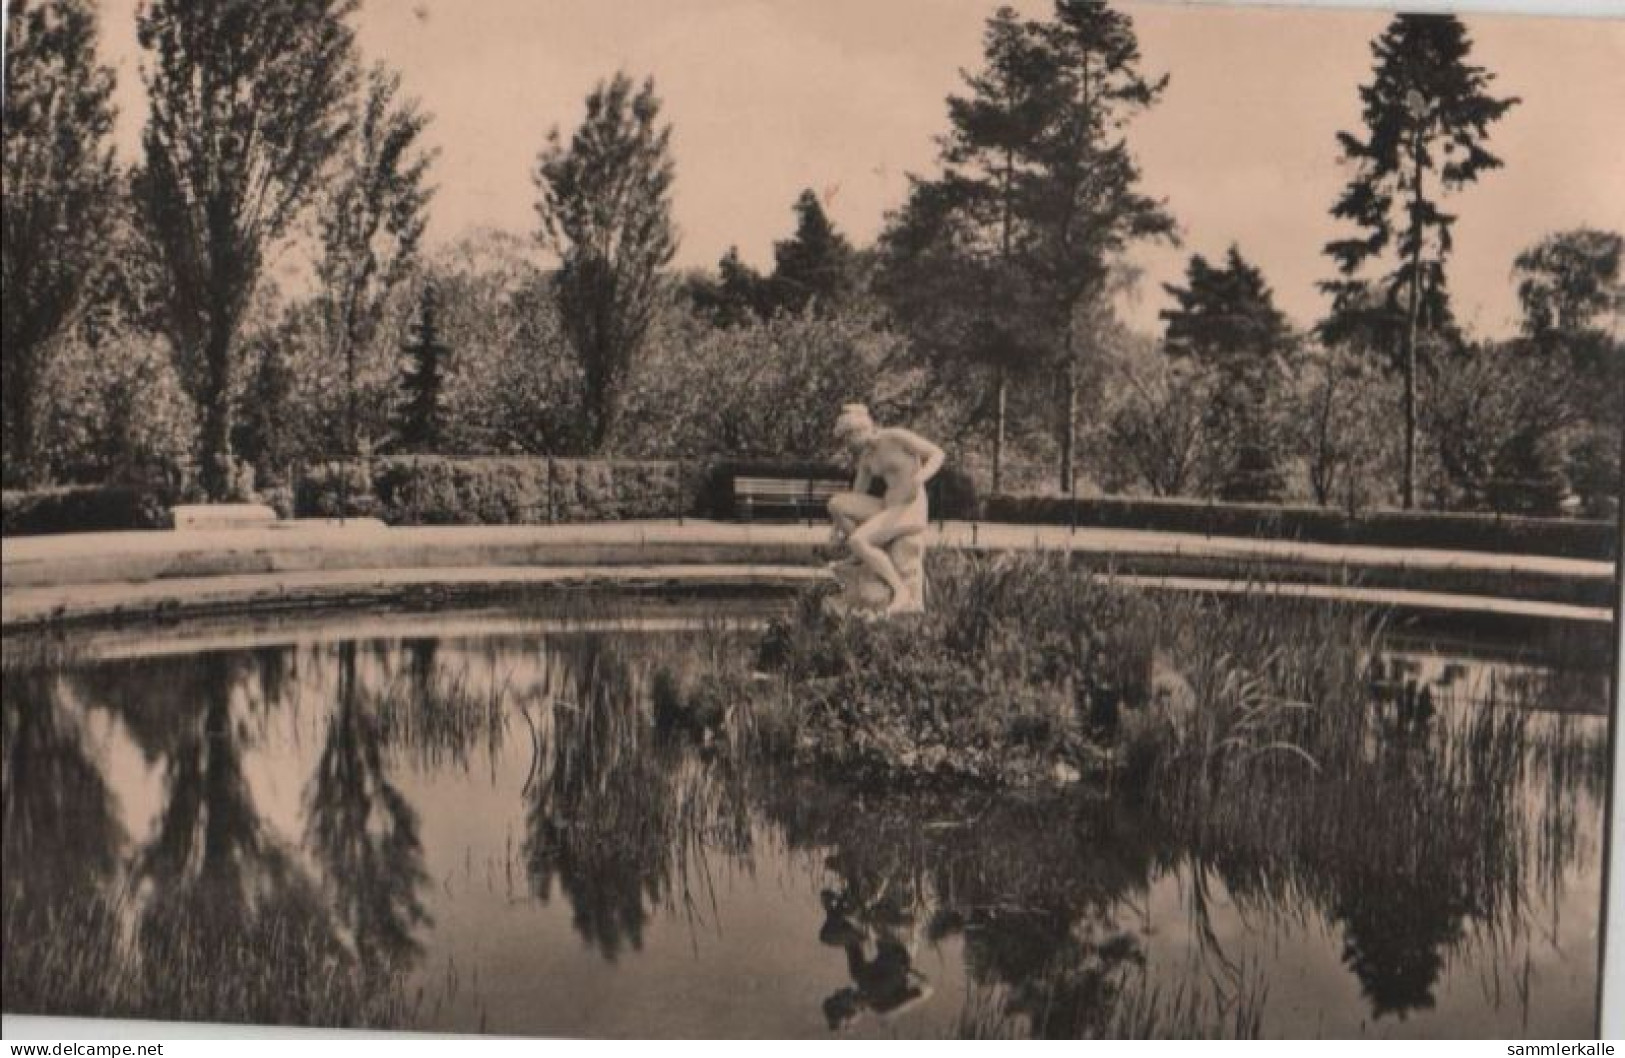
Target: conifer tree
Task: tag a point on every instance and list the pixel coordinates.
(1427, 114)
(421, 422)
(814, 266)
(1225, 318)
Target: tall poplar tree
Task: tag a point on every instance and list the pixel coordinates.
(605, 209)
(247, 105)
(57, 199)
(371, 224)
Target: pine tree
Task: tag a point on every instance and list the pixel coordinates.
(814, 266)
(58, 196)
(605, 208)
(1427, 114)
(247, 107)
(1081, 200)
(1004, 260)
(1225, 317)
(949, 267)
(421, 421)
(738, 295)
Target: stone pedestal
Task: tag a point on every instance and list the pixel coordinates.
(863, 592)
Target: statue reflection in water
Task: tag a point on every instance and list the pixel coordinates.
(874, 927)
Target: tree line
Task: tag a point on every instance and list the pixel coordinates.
(148, 334)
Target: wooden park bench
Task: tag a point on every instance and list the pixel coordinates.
(784, 497)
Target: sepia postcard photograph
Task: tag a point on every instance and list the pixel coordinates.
(810, 519)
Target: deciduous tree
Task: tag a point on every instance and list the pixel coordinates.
(57, 199)
(247, 107)
(605, 209)
(1573, 301)
(372, 220)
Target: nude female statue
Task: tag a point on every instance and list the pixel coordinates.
(905, 461)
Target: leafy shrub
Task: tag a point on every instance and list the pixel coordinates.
(435, 490)
(1468, 532)
(610, 490)
(117, 413)
(336, 490)
(82, 509)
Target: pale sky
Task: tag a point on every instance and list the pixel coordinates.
(846, 96)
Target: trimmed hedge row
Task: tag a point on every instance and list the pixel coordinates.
(437, 490)
(1567, 538)
(81, 509)
(521, 490)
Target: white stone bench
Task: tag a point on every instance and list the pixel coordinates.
(223, 516)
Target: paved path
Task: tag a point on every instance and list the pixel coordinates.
(316, 563)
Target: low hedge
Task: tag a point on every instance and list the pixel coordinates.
(335, 490)
(82, 509)
(1567, 538)
(495, 490)
(538, 490)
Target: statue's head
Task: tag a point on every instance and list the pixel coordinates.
(854, 427)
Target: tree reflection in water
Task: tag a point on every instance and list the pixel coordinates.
(1043, 897)
(622, 819)
(1413, 851)
(240, 930)
(363, 832)
(224, 923)
(62, 844)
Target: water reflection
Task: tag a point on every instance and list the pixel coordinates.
(219, 893)
(264, 825)
(363, 833)
(61, 841)
(1042, 899)
(621, 819)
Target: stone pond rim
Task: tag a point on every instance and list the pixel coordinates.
(126, 576)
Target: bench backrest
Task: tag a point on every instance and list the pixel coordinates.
(798, 496)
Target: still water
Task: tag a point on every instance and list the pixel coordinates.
(481, 830)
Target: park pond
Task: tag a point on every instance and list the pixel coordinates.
(474, 823)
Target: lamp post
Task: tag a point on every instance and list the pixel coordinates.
(1418, 106)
